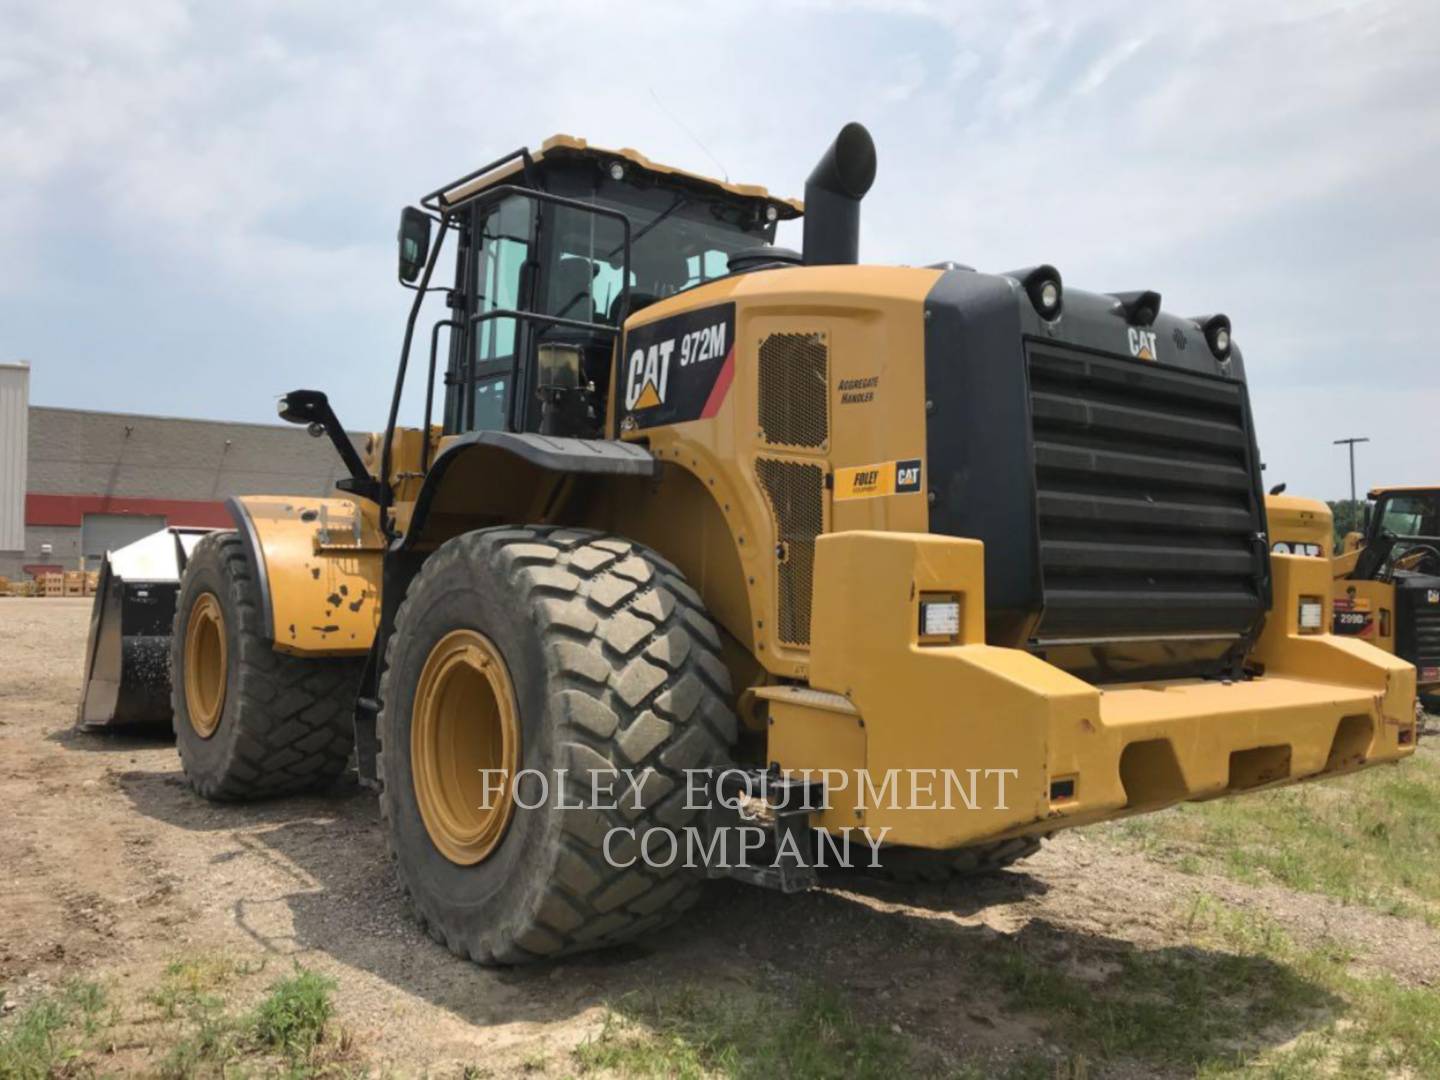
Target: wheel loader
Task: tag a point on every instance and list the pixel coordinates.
(704, 538)
(1387, 581)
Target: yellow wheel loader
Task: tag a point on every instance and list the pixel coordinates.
(1388, 581)
(1387, 578)
(716, 558)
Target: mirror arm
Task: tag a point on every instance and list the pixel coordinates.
(313, 409)
(386, 494)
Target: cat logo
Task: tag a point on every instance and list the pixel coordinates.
(649, 372)
(1142, 344)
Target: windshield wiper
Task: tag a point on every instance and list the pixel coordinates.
(680, 201)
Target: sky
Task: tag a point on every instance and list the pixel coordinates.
(198, 201)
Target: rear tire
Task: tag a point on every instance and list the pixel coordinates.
(612, 664)
(250, 723)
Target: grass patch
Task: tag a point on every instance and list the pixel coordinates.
(186, 1026)
(1176, 1006)
(1372, 838)
(690, 1034)
(1380, 1028)
(292, 1024)
(293, 1018)
(49, 1034)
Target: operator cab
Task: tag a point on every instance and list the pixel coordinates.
(554, 250)
(1402, 534)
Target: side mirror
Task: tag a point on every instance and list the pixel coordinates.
(304, 407)
(414, 240)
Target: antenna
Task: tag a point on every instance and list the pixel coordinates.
(676, 121)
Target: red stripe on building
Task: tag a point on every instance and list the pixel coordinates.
(71, 509)
(721, 387)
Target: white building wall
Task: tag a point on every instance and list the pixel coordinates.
(14, 445)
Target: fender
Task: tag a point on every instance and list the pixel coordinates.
(491, 477)
(318, 566)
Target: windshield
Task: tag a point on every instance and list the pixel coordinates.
(678, 240)
(1411, 515)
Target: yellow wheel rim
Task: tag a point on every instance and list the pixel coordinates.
(206, 665)
(464, 746)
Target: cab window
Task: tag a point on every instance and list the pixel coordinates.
(501, 254)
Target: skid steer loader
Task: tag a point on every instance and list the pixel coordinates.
(715, 545)
(1387, 581)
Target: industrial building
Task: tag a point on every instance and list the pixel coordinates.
(75, 482)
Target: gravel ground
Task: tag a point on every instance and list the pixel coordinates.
(111, 867)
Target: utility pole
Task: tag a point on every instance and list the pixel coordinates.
(1351, 444)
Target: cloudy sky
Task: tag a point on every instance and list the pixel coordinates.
(198, 201)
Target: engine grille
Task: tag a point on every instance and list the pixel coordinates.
(1427, 636)
(794, 390)
(796, 493)
(1147, 501)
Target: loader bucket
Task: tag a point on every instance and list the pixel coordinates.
(127, 656)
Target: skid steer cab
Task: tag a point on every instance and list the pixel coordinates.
(1387, 581)
(709, 557)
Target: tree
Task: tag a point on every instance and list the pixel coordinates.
(1349, 517)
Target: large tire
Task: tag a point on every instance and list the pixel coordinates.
(613, 664)
(284, 724)
(919, 864)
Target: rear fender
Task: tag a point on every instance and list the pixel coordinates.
(318, 562)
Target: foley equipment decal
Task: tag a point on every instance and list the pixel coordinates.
(679, 368)
(871, 481)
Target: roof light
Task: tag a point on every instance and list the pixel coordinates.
(617, 171)
(1042, 284)
(771, 212)
(1217, 334)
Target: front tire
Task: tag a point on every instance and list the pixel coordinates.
(250, 723)
(610, 664)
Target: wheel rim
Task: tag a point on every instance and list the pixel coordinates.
(464, 723)
(206, 665)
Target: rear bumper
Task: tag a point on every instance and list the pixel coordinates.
(945, 745)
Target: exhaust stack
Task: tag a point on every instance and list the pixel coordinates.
(832, 198)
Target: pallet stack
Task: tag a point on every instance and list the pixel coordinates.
(52, 585)
(74, 582)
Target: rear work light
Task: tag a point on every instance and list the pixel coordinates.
(940, 618)
(1312, 614)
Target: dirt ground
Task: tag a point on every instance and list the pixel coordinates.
(110, 867)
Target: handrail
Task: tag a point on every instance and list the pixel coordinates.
(454, 324)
